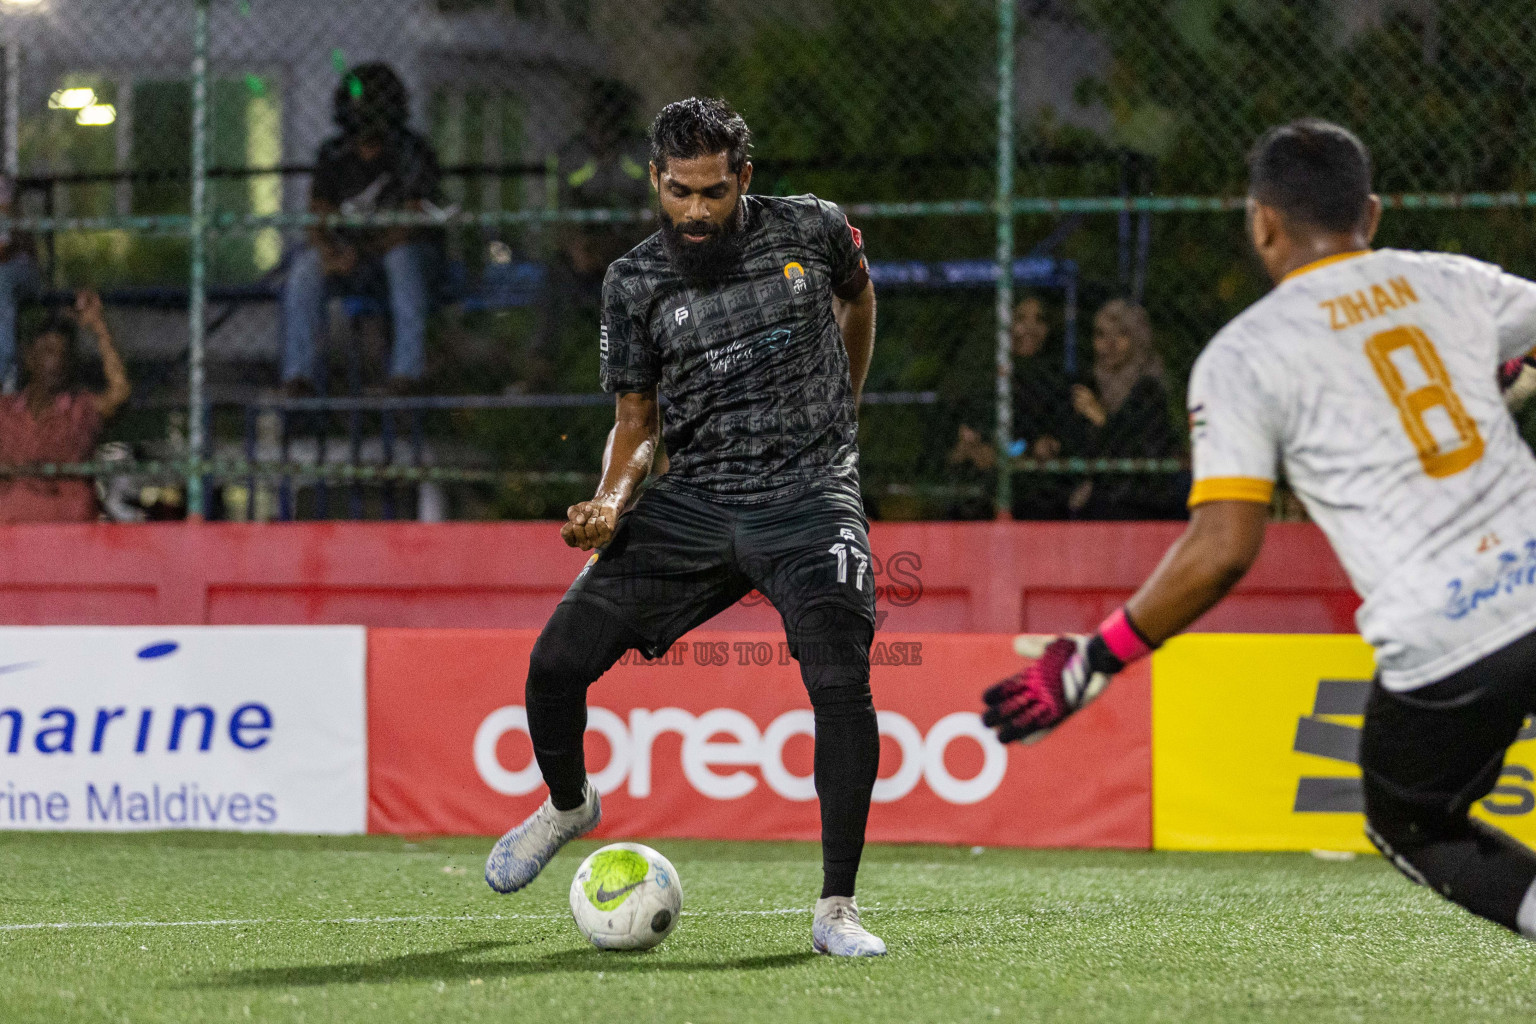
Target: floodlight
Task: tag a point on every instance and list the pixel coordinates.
(97, 114)
(70, 99)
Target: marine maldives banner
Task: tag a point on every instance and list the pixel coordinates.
(238, 728)
(714, 740)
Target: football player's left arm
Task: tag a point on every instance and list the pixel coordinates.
(856, 319)
(422, 186)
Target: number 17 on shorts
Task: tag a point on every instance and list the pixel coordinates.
(845, 550)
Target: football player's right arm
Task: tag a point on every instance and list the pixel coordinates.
(627, 461)
(1204, 564)
(631, 370)
(337, 256)
(1236, 447)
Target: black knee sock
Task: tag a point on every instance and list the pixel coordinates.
(579, 643)
(834, 661)
(1469, 863)
(847, 761)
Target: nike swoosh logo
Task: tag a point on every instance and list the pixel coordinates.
(604, 895)
(18, 667)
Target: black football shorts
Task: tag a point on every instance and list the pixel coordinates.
(1433, 752)
(676, 560)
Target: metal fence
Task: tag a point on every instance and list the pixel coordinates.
(1043, 185)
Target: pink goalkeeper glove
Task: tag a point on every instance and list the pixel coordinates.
(1070, 672)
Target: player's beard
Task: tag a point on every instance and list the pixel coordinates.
(713, 258)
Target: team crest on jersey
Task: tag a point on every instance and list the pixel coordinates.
(680, 315)
(796, 275)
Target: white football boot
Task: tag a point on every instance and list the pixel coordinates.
(836, 930)
(519, 856)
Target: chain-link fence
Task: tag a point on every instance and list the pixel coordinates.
(1180, 90)
(436, 355)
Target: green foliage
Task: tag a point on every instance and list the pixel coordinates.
(875, 100)
(902, 92)
(1441, 93)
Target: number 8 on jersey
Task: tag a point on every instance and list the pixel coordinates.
(1414, 405)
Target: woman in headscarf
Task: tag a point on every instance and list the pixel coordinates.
(1125, 415)
(51, 421)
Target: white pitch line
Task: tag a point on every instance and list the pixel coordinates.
(411, 919)
(241, 921)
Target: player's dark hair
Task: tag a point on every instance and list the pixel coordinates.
(699, 127)
(1314, 172)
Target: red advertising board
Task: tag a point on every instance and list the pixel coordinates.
(714, 741)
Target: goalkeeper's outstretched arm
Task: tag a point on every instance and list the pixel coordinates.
(1204, 564)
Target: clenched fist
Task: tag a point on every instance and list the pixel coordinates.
(591, 524)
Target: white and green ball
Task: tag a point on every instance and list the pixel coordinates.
(626, 896)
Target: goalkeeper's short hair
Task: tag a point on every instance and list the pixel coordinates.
(1314, 172)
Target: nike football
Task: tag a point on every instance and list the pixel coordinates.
(626, 896)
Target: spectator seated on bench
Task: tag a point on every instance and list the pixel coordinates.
(375, 164)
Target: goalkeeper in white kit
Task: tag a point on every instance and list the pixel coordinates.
(1371, 377)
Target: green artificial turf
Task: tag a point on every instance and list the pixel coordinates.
(382, 929)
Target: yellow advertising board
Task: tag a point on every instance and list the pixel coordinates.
(1255, 742)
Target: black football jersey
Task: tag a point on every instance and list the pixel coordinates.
(751, 365)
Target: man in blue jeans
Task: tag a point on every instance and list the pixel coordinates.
(19, 280)
(375, 164)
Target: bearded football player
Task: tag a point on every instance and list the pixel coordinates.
(754, 318)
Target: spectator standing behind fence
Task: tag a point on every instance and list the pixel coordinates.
(48, 421)
(376, 164)
(18, 280)
(1125, 415)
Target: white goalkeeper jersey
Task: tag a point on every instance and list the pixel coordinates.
(1371, 377)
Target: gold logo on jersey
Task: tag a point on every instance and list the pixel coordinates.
(796, 274)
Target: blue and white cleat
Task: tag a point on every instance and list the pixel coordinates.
(836, 930)
(519, 856)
